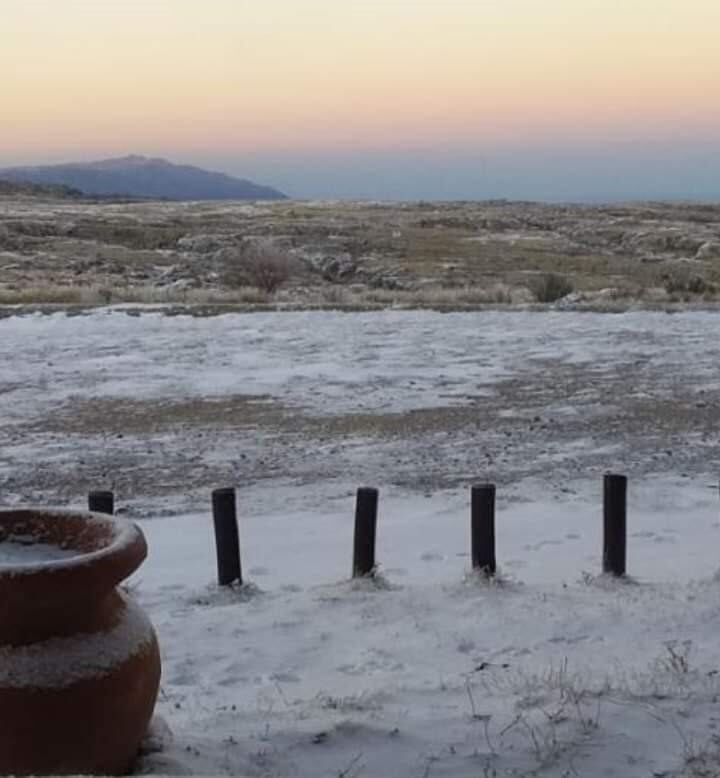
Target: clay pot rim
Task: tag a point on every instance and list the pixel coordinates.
(125, 539)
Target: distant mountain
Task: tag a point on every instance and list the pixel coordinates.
(137, 176)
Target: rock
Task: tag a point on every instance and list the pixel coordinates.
(669, 241)
(709, 250)
(608, 293)
(224, 256)
(332, 268)
(569, 300)
(203, 244)
(183, 283)
(339, 268)
(386, 281)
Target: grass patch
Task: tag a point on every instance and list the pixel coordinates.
(143, 295)
(41, 294)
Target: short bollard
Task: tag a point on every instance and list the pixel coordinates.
(482, 528)
(101, 502)
(227, 541)
(366, 507)
(614, 524)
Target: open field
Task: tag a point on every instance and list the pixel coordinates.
(425, 672)
(417, 400)
(358, 254)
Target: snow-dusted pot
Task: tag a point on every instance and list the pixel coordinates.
(79, 660)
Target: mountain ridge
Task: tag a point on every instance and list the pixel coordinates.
(136, 175)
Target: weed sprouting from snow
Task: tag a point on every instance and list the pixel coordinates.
(219, 596)
(367, 584)
(606, 581)
(355, 703)
(500, 580)
(677, 658)
(482, 718)
(701, 760)
(376, 581)
(352, 769)
(554, 709)
(671, 675)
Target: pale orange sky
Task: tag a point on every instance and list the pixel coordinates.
(225, 78)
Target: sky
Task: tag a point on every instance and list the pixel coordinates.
(387, 99)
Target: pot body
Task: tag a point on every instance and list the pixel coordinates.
(79, 664)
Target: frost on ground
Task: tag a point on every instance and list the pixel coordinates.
(164, 408)
(552, 671)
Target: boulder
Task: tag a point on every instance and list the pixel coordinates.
(709, 250)
(202, 244)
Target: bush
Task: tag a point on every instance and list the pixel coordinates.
(258, 264)
(551, 287)
(132, 235)
(682, 282)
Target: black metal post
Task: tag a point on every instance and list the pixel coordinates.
(227, 540)
(366, 507)
(101, 502)
(614, 524)
(482, 528)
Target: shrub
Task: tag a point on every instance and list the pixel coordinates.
(259, 264)
(683, 283)
(551, 287)
(132, 235)
(334, 295)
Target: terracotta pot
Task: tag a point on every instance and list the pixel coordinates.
(79, 660)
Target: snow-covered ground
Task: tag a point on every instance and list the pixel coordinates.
(334, 362)
(163, 408)
(551, 672)
(428, 671)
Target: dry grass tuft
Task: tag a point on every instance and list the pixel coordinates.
(260, 264)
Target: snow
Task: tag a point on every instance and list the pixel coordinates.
(24, 550)
(306, 670)
(60, 662)
(330, 361)
(552, 670)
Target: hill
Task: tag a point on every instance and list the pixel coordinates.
(25, 188)
(138, 176)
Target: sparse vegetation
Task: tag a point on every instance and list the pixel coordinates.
(41, 295)
(131, 235)
(701, 760)
(145, 295)
(682, 283)
(259, 264)
(440, 255)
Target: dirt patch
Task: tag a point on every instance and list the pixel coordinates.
(558, 423)
(119, 417)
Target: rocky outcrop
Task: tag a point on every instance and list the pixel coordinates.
(709, 250)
